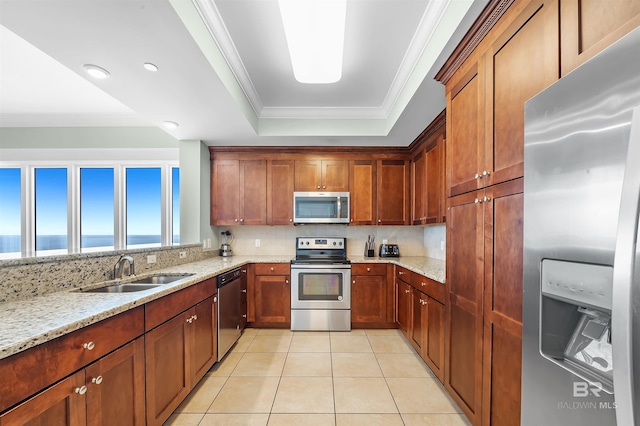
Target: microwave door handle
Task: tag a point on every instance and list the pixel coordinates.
(339, 212)
(625, 271)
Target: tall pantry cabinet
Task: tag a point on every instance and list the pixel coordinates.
(515, 49)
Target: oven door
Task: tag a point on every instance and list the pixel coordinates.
(320, 286)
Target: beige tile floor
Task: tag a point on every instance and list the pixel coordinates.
(279, 377)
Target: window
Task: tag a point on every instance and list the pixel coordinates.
(96, 208)
(56, 208)
(175, 201)
(10, 223)
(144, 206)
(51, 209)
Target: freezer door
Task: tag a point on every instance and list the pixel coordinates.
(626, 294)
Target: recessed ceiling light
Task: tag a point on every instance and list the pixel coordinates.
(315, 36)
(150, 67)
(95, 71)
(170, 124)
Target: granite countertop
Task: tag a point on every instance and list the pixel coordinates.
(30, 322)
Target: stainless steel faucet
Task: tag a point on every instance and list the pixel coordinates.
(117, 270)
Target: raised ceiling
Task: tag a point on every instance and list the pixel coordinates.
(224, 70)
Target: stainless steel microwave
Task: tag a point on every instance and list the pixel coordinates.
(320, 207)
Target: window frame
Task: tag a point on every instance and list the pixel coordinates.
(27, 202)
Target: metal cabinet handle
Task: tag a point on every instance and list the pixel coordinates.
(406, 291)
(485, 173)
(244, 290)
(244, 315)
(368, 269)
(190, 320)
(354, 281)
(478, 200)
(195, 317)
(423, 283)
(400, 272)
(477, 176)
(81, 390)
(485, 199)
(235, 220)
(318, 187)
(97, 380)
(271, 269)
(379, 220)
(286, 281)
(290, 220)
(89, 346)
(241, 220)
(215, 298)
(324, 187)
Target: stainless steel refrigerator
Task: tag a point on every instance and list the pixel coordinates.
(581, 306)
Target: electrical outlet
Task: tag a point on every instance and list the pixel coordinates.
(385, 241)
(151, 258)
(257, 242)
(183, 255)
(441, 244)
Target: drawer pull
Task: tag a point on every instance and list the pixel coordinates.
(195, 317)
(368, 269)
(215, 298)
(81, 390)
(244, 290)
(423, 283)
(89, 346)
(286, 281)
(97, 380)
(406, 291)
(244, 315)
(190, 320)
(400, 273)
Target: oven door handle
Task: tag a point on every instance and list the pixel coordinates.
(306, 267)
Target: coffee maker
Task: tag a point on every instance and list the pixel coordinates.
(225, 247)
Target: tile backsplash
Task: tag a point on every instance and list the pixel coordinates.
(280, 240)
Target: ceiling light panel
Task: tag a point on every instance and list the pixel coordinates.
(96, 71)
(315, 37)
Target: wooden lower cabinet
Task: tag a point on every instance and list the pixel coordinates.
(372, 296)
(269, 295)
(178, 353)
(484, 315)
(433, 353)
(108, 392)
(403, 311)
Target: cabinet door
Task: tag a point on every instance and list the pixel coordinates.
(418, 329)
(434, 346)
(419, 179)
(272, 299)
(168, 367)
(225, 192)
(253, 192)
(465, 119)
(433, 184)
(280, 175)
(61, 404)
(393, 192)
(368, 299)
(115, 386)
(463, 375)
(403, 295)
(335, 175)
(205, 346)
(589, 26)
(308, 175)
(363, 192)
(503, 304)
(532, 38)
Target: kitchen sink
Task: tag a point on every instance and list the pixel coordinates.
(160, 279)
(122, 288)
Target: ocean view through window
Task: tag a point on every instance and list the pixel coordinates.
(50, 208)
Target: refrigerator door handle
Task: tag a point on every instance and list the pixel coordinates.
(625, 264)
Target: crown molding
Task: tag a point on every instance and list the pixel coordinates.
(480, 28)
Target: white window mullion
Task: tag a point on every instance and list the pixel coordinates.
(73, 209)
(27, 211)
(119, 207)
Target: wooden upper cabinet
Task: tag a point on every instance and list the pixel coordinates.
(589, 26)
(418, 193)
(322, 175)
(465, 124)
(435, 209)
(239, 192)
(280, 176)
(362, 175)
(531, 39)
(225, 192)
(393, 192)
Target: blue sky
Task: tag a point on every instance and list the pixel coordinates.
(96, 207)
(10, 205)
(51, 201)
(143, 201)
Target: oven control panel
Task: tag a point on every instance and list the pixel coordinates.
(337, 243)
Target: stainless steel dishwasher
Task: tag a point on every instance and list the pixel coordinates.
(229, 313)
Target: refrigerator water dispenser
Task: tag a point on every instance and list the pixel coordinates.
(575, 319)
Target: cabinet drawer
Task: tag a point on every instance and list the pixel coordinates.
(160, 310)
(28, 372)
(428, 286)
(369, 269)
(404, 274)
(272, 269)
